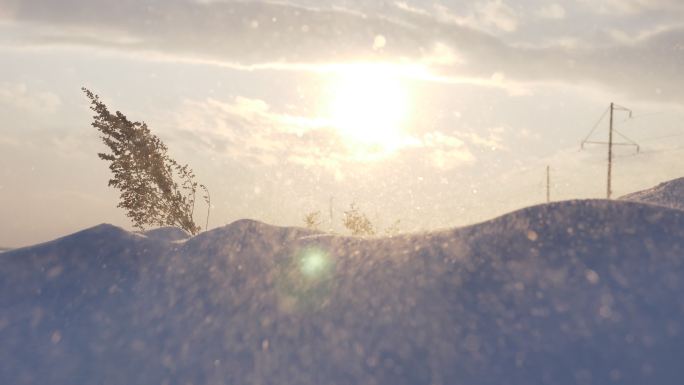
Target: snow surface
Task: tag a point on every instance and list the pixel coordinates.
(579, 292)
(167, 234)
(669, 194)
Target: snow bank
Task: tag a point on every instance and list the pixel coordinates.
(167, 234)
(669, 194)
(581, 292)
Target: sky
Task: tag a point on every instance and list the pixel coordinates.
(433, 113)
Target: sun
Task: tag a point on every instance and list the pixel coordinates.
(369, 105)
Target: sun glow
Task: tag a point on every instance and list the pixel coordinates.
(369, 105)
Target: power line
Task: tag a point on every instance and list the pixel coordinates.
(642, 115)
(674, 135)
(595, 127)
(629, 142)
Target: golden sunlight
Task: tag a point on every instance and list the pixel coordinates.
(369, 105)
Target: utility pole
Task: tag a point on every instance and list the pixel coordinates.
(548, 184)
(610, 151)
(611, 130)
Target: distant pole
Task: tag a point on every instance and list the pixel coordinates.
(548, 184)
(610, 151)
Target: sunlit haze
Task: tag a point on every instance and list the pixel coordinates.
(369, 105)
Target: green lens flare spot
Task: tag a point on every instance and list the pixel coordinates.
(314, 263)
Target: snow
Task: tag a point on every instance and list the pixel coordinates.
(669, 194)
(167, 234)
(577, 292)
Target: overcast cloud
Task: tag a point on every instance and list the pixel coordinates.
(640, 61)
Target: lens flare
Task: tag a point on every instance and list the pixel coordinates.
(313, 263)
(304, 281)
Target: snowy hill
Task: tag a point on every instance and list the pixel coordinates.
(581, 292)
(669, 194)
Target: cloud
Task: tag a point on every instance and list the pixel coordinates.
(410, 8)
(249, 129)
(552, 11)
(490, 17)
(241, 32)
(631, 7)
(457, 48)
(498, 14)
(628, 38)
(447, 151)
(492, 141)
(18, 96)
(10, 141)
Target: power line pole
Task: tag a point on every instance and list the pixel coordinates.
(611, 129)
(548, 184)
(610, 151)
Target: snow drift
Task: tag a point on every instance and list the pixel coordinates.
(168, 234)
(669, 194)
(580, 292)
